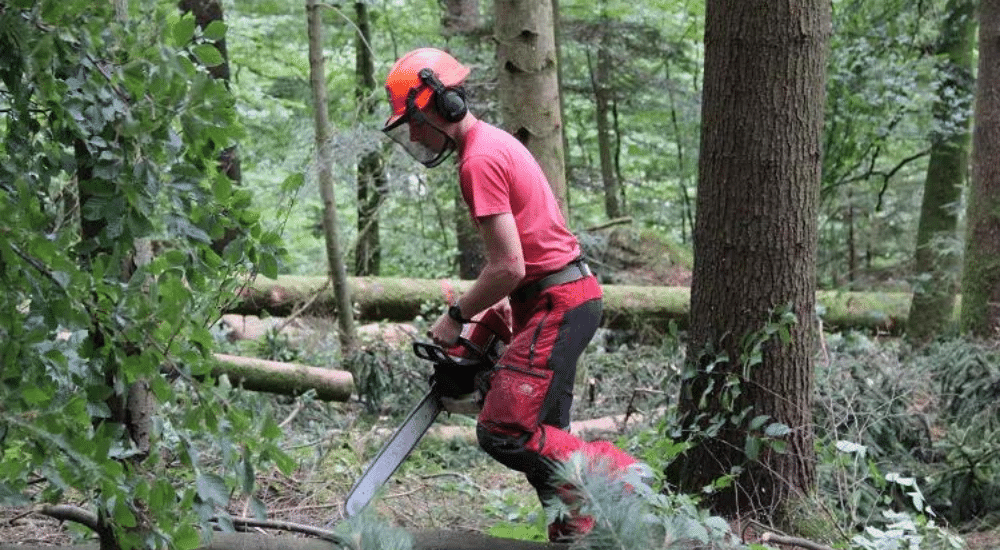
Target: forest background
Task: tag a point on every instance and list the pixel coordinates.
(889, 418)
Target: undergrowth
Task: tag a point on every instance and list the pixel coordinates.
(908, 443)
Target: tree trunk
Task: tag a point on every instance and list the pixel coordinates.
(755, 250)
(980, 314)
(936, 256)
(285, 378)
(601, 83)
(626, 307)
(335, 261)
(205, 13)
(371, 181)
(463, 18)
(529, 85)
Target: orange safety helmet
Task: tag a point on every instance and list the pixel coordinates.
(404, 78)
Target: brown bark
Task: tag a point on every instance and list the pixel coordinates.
(461, 17)
(371, 180)
(529, 85)
(285, 378)
(981, 278)
(601, 83)
(755, 247)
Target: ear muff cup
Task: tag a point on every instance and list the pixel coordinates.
(449, 101)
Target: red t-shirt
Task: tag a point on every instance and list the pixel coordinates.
(499, 175)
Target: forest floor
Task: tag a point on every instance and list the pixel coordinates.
(445, 484)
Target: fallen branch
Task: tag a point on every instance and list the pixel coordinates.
(75, 514)
(793, 541)
(286, 378)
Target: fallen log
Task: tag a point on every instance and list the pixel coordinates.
(625, 306)
(285, 378)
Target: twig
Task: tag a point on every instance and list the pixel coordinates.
(610, 223)
(324, 534)
(299, 405)
(291, 317)
(793, 541)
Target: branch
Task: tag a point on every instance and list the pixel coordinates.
(610, 223)
(793, 541)
(324, 534)
(75, 514)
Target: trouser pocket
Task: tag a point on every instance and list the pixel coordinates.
(516, 398)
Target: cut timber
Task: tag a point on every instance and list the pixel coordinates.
(625, 306)
(285, 378)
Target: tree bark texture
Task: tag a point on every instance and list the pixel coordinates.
(601, 83)
(755, 243)
(626, 307)
(331, 228)
(931, 313)
(285, 378)
(981, 275)
(529, 84)
(371, 180)
(463, 18)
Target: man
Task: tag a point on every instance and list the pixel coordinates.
(531, 257)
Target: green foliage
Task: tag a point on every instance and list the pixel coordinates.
(629, 513)
(889, 420)
(108, 127)
(367, 531)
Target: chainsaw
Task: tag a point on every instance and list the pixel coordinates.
(458, 385)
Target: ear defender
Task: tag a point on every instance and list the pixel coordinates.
(449, 102)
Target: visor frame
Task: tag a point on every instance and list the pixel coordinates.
(399, 131)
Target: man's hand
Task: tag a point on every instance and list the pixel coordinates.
(445, 331)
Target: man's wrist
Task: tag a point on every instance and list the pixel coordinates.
(455, 313)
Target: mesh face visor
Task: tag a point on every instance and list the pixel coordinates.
(421, 139)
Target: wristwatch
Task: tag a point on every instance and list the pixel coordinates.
(455, 313)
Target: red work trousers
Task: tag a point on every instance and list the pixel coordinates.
(526, 414)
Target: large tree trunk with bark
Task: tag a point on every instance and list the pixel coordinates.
(529, 85)
(331, 227)
(931, 313)
(981, 279)
(755, 248)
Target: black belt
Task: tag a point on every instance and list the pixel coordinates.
(574, 271)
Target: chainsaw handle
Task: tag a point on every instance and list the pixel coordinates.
(436, 354)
